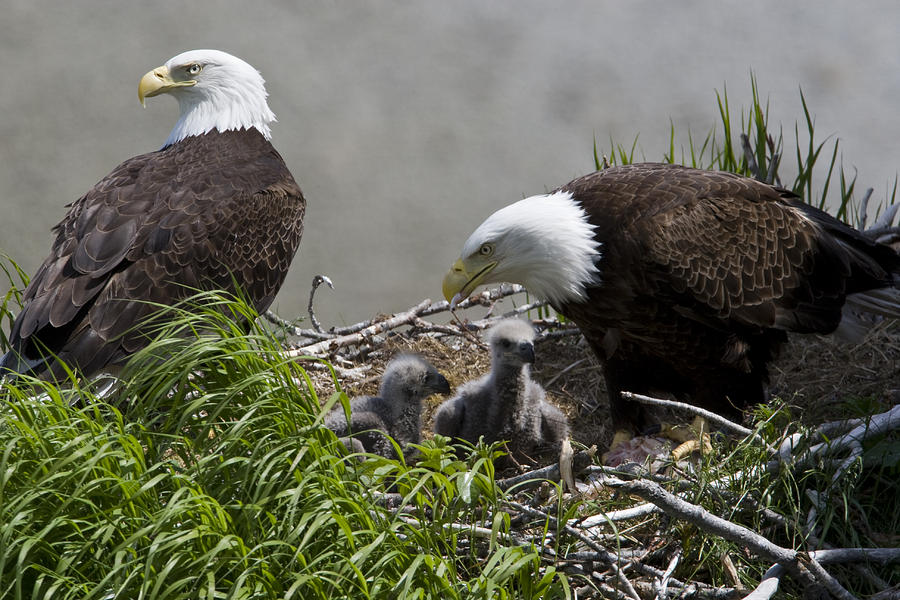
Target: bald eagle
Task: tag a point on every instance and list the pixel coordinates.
(216, 205)
(682, 281)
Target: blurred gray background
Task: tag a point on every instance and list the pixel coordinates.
(406, 123)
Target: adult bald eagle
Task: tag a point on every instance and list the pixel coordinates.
(682, 280)
(215, 205)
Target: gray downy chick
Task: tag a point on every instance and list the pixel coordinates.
(505, 404)
(396, 410)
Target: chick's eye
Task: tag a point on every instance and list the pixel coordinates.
(486, 250)
(194, 68)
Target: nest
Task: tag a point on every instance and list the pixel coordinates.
(818, 377)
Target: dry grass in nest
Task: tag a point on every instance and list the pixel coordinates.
(817, 376)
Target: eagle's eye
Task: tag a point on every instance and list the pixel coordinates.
(486, 249)
(194, 68)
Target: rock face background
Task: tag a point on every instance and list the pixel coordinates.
(407, 123)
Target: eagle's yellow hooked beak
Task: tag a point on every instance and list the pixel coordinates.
(159, 81)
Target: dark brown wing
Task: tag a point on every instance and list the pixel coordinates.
(732, 248)
(200, 214)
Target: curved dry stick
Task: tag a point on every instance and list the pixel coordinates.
(316, 282)
(331, 345)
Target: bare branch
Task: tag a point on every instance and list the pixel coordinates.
(885, 219)
(550, 473)
(288, 326)
(696, 410)
(876, 425)
(696, 515)
(674, 506)
(641, 510)
(863, 213)
(825, 578)
(611, 558)
(566, 470)
(316, 282)
(769, 584)
(662, 583)
(485, 298)
(328, 346)
(881, 556)
(473, 530)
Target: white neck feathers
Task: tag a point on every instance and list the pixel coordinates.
(545, 243)
(229, 95)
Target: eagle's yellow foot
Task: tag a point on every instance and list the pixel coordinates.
(692, 438)
(619, 437)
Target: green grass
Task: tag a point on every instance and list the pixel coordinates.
(208, 475)
(817, 168)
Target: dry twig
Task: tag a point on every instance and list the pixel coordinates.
(550, 473)
(807, 570)
(316, 282)
(329, 346)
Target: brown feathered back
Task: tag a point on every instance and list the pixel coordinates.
(199, 214)
(702, 273)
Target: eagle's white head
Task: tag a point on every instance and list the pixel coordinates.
(544, 243)
(214, 89)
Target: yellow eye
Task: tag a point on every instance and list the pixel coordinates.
(194, 68)
(486, 249)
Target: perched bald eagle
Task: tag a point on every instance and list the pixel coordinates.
(216, 205)
(683, 281)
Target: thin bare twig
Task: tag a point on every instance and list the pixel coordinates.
(564, 371)
(804, 567)
(641, 510)
(611, 558)
(662, 583)
(696, 410)
(485, 298)
(863, 214)
(288, 326)
(316, 282)
(473, 530)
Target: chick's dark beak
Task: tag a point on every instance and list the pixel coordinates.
(440, 385)
(526, 351)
